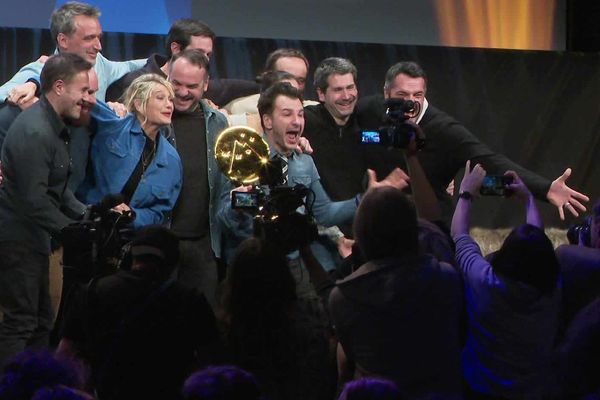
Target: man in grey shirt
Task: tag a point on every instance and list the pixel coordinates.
(35, 202)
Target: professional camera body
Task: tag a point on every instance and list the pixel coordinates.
(282, 214)
(92, 246)
(581, 232)
(396, 132)
(277, 218)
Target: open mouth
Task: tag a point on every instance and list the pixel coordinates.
(292, 135)
(346, 104)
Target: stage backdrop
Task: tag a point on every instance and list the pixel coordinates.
(540, 108)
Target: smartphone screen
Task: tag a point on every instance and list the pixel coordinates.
(495, 185)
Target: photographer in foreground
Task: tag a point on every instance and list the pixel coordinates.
(512, 301)
(268, 330)
(282, 116)
(140, 331)
(398, 315)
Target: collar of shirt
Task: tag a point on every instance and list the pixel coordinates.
(273, 151)
(161, 155)
(423, 109)
(57, 123)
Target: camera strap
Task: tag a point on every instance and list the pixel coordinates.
(147, 155)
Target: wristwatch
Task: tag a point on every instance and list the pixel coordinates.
(465, 195)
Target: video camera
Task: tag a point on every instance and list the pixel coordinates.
(581, 232)
(93, 245)
(275, 208)
(396, 132)
(243, 155)
(91, 248)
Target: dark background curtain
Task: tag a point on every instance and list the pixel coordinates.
(540, 108)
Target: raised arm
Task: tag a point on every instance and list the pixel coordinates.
(29, 71)
(521, 192)
(423, 194)
(469, 189)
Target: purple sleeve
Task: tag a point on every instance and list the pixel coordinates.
(474, 267)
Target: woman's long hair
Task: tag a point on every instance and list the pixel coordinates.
(259, 297)
(527, 255)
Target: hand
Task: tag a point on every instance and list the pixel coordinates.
(397, 178)
(121, 208)
(450, 188)
(22, 93)
(43, 59)
(517, 189)
(472, 179)
(411, 149)
(304, 146)
(26, 105)
(563, 197)
(242, 188)
(118, 108)
(212, 105)
(344, 246)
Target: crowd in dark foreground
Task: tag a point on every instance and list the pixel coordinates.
(408, 315)
(384, 299)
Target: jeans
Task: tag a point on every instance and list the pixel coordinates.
(24, 299)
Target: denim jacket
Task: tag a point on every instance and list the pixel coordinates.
(116, 150)
(217, 181)
(301, 170)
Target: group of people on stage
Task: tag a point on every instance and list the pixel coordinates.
(392, 290)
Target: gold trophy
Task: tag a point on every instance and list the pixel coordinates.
(241, 153)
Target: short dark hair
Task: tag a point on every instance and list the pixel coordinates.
(332, 66)
(182, 31)
(370, 388)
(268, 78)
(61, 392)
(196, 57)
(280, 53)
(266, 101)
(33, 369)
(527, 256)
(226, 382)
(386, 224)
(409, 68)
(63, 66)
(62, 19)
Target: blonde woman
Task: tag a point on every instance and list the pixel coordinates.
(131, 156)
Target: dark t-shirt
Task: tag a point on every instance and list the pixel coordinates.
(190, 216)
